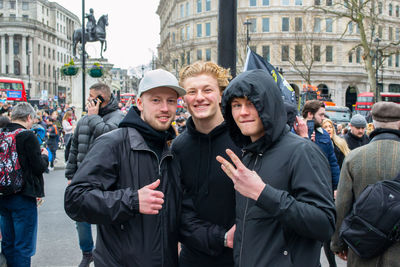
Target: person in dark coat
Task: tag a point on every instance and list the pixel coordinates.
(52, 139)
(102, 117)
(19, 211)
(208, 211)
(128, 184)
(357, 137)
(284, 203)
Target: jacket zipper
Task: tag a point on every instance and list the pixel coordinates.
(161, 211)
(244, 220)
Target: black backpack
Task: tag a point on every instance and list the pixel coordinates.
(373, 224)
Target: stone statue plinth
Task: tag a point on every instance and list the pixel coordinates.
(76, 94)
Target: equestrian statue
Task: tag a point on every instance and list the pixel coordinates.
(94, 32)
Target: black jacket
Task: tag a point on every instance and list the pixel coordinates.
(354, 141)
(33, 163)
(87, 130)
(295, 211)
(104, 191)
(208, 210)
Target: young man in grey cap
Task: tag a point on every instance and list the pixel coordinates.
(129, 184)
(356, 137)
(376, 161)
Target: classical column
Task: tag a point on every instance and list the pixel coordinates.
(11, 54)
(23, 55)
(30, 49)
(3, 54)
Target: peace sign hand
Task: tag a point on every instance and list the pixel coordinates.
(246, 182)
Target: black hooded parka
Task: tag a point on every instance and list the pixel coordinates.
(295, 211)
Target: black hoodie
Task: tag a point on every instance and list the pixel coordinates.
(295, 211)
(208, 195)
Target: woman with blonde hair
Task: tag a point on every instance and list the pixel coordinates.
(339, 144)
(370, 128)
(68, 126)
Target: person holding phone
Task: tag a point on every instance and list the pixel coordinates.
(103, 115)
(314, 113)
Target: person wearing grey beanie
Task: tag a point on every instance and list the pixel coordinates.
(356, 137)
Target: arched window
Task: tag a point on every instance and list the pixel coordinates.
(390, 9)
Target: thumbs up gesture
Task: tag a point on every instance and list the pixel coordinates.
(150, 200)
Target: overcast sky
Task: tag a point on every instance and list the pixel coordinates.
(133, 31)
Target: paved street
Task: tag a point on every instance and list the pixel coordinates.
(57, 238)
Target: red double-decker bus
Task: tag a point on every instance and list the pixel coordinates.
(364, 103)
(12, 89)
(391, 97)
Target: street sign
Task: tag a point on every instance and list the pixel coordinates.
(55, 98)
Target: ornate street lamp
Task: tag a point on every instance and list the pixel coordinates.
(247, 23)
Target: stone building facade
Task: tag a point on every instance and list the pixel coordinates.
(35, 41)
(289, 34)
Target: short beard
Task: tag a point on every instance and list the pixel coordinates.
(316, 124)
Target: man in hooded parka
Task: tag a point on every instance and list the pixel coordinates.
(284, 203)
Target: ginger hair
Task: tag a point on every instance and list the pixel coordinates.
(200, 67)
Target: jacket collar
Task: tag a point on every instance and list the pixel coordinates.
(385, 134)
(137, 142)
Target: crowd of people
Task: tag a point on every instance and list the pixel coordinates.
(240, 179)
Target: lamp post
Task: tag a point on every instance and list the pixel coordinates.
(29, 74)
(377, 40)
(247, 23)
(83, 57)
(55, 85)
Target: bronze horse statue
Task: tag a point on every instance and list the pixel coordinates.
(99, 35)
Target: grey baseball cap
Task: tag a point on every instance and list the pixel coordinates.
(159, 78)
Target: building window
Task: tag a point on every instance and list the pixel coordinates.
(298, 2)
(285, 2)
(298, 52)
(38, 49)
(397, 11)
(188, 57)
(397, 60)
(380, 8)
(253, 25)
(329, 25)
(285, 24)
(265, 24)
(380, 31)
(265, 2)
(317, 53)
(17, 67)
(44, 51)
(285, 53)
(390, 62)
(44, 69)
(350, 27)
(199, 54)
(329, 53)
(187, 9)
(266, 53)
(12, 4)
(16, 48)
(329, 2)
(199, 30)
(199, 6)
(390, 9)
(358, 55)
(182, 8)
(350, 57)
(317, 2)
(39, 68)
(397, 34)
(252, 2)
(49, 52)
(54, 54)
(390, 33)
(1, 3)
(25, 5)
(208, 7)
(317, 24)
(49, 72)
(298, 24)
(208, 29)
(182, 33)
(187, 32)
(208, 54)
(25, 16)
